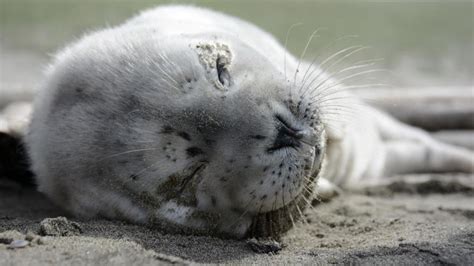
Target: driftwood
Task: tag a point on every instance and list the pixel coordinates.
(10, 94)
(464, 138)
(430, 108)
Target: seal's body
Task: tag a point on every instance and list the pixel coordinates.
(189, 118)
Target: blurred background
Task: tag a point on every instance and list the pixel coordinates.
(424, 44)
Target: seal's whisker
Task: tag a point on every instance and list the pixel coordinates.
(334, 74)
(302, 216)
(327, 60)
(286, 43)
(310, 39)
(363, 63)
(309, 208)
(333, 87)
(164, 72)
(335, 63)
(317, 56)
(338, 115)
(340, 89)
(309, 190)
(292, 220)
(246, 210)
(167, 78)
(126, 152)
(338, 101)
(146, 141)
(138, 174)
(349, 77)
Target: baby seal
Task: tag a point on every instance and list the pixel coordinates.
(194, 120)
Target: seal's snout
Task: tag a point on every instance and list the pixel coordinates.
(308, 136)
(289, 136)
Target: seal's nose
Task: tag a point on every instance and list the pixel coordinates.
(287, 137)
(290, 137)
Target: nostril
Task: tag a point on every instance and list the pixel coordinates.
(290, 137)
(287, 137)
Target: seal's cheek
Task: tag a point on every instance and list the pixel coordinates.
(212, 194)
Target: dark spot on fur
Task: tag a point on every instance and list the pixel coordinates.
(184, 135)
(265, 169)
(133, 177)
(100, 171)
(213, 201)
(259, 137)
(263, 197)
(193, 151)
(167, 130)
(273, 182)
(209, 141)
(261, 182)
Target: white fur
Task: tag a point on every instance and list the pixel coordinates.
(149, 57)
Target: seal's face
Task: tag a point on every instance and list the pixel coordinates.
(243, 139)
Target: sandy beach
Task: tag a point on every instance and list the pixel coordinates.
(417, 220)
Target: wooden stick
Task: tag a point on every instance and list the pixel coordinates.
(429, 108)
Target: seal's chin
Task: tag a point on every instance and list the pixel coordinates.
(274, 223)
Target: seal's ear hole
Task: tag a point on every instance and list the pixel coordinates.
(222, 64)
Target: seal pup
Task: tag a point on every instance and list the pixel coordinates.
(194, 120)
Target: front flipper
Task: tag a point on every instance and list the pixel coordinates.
(325, 190)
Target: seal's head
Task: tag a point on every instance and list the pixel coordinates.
(255, 144)
(199, 133)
